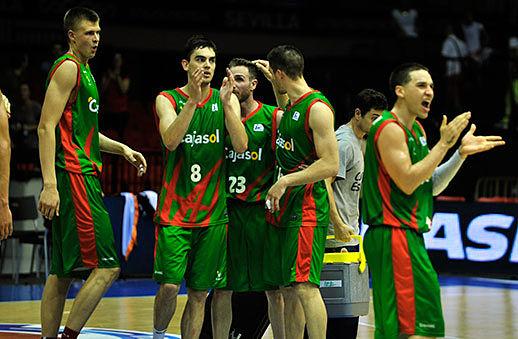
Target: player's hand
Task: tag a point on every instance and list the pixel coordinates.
(136, 159)
(471, 144)
(451, 131)
(49, 201)
(274, 195)
(343, 232)
(264, 66)
(6, 222)
(227, 87)
(195, 90)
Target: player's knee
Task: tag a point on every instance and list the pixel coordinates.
(113, 273)
(222, 294)
(197, 296)
(171, 290)
(304, 287)
(274, 297)
(107, 275)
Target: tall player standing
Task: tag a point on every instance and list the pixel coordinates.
(401, 176)
(191, 214)
(306, 154)
(70, 145)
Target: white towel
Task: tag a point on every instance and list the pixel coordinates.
(152, 196)
(129, 223)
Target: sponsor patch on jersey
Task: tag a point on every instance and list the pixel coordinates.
(247, 155)
(93, 106)
(34, 331)
(198, 139)
(423, 140)
(288, 145)
(296, 116)
(258, 128)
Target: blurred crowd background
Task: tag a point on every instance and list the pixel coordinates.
(471, 48)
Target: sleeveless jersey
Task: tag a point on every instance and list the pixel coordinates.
(193, 184)
(250, 174)
(383, 203)
(77, 134)
(303, 205)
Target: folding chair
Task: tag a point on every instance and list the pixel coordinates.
(24, 208)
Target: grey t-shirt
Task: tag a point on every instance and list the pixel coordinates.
(347, 185)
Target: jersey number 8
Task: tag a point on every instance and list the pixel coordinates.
(195, 173)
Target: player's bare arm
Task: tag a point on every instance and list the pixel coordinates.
(321, 123)
(56, 97)
(232, 109)
(343, 231)
(6, 219)
(135, 158)
(264, 66)
(173, 126)
(395, 158)
(5, 103)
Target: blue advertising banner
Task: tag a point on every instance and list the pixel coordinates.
(478, 239)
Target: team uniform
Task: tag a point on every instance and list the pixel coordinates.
(304, 210)
(191, 215)
(250, 175)
(406, 291)
(82, 234)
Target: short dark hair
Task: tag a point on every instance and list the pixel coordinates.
(401, 74)
(195, 42)
(74, 15)
(369, 99)
(252, 68)
(288, 59)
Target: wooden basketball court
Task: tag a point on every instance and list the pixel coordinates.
(473, 308)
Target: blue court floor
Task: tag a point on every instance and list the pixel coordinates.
(147, 287)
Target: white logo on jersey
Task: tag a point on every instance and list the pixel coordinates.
(214, 107)
(423, 140)
(247, 155)
(92, 105)
(258, 128)
(296, 116)
(288, 145)
(197, 139)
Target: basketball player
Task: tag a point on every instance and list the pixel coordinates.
(70, 145)
(191, 215)
(306, 153)
(250, 175)
(401, 176)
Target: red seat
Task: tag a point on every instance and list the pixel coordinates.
(507, 200)
(450, 198)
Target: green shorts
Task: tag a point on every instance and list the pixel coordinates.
(406, 292)
(246, 246)
(82, 234)
(272, 270)
(302, 254)
(197, 254)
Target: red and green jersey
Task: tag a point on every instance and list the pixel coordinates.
(193, 184)
(250, 173)
(383, 203)
(77, 134)
(303, 205)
